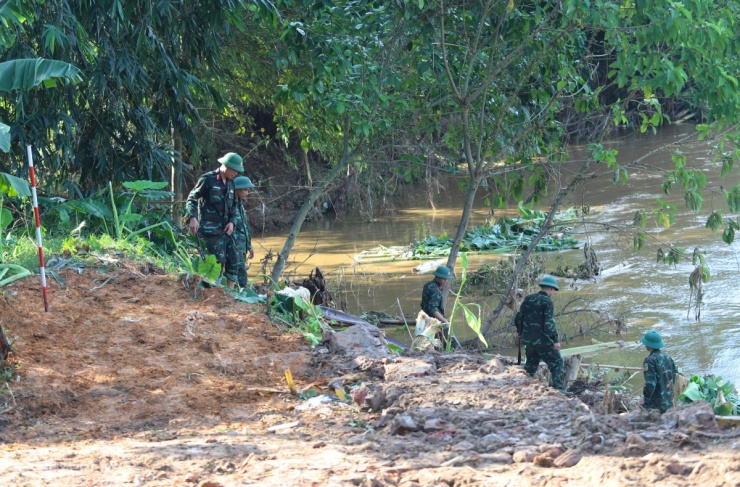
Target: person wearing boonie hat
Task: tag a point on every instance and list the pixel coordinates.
(660, 374)
(242, 236)
(432, 301)
(538, 333)
(212, 207)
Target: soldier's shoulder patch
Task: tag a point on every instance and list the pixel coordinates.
(644, 367)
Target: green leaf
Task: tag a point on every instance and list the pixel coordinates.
(4, 137)
(693, 393)
(5, 218)
(715, 221)
(25, 74)
(13, 186)
(728, 236)
(210, 268)
(144, 184)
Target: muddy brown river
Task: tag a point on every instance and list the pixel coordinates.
(634, 287)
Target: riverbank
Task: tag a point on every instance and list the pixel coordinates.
(131, 378)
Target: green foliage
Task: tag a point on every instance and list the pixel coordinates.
(506, 235)
(715, 221)
(312, 324)
(11, 186)
(728, 235)
(472, 319)
(26, 74)
(673, 256)
(716, 391)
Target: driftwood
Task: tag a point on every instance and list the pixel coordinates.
(572, 366)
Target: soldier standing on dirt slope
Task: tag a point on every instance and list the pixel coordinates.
(538, 332)
(660, 373)
(432, 301)
(242, 238)
(212, 210)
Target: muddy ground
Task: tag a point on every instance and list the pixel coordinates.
(132, 378)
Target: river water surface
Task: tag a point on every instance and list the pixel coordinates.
(643, 293)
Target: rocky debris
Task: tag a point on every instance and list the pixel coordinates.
(408, 368)
(361, 341)
(694, 415)
(403, 424)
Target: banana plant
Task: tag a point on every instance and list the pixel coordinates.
(127, 219)
(472, 319)
(10, 186)
(26, 74)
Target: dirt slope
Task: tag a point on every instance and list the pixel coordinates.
(132, 380)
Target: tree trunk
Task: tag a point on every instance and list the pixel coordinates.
(461, 228)
(313, 195)
(176, 182)
(572, 366)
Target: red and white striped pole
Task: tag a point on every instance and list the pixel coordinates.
(38, 227)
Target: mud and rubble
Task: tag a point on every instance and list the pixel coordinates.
(136, 378)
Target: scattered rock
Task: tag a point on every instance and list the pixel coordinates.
(524, 456)
(569, 458)
(437, 424)
(498, 458)
(494, 366)
(463, 446)
(676, 468)
(407, 368)
(693, 415)
(361, 340)
(543, 460)
(403, 424)
(634, 439)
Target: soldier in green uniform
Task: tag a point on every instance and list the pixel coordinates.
(212, 210)
(536, 326)
(432, 301)
(242, 237)
(660, 373)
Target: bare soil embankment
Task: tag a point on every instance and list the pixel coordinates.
(132, 379)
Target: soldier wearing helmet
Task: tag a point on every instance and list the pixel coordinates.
(432, 301)
(536, 317)
(660, 373)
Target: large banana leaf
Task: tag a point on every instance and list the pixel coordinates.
(13, 186)
(24, 74)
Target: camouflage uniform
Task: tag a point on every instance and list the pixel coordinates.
(432, 299)
(242, 239)
(537, 316)
(213, 201)
(660, 372)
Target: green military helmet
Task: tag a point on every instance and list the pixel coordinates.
(549, 281)
(443, 272)
(652, 339)
(243, 182)
(232, 160)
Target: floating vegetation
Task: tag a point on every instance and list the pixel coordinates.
(506, 235)
(590, 267)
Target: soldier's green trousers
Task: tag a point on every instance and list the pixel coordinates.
(551, 357)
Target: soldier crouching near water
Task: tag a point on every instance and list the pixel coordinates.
(432, 301)
(536, 320)
(212, 212)
(660, 374)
